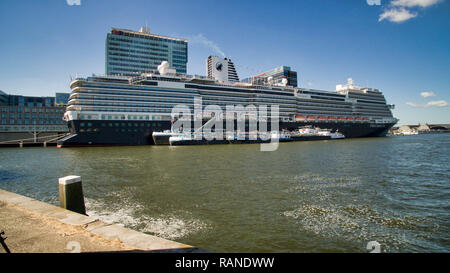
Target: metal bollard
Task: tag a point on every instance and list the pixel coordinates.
(71, 194)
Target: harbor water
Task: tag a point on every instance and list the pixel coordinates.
(312, 196)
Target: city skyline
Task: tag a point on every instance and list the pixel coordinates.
(399, 47)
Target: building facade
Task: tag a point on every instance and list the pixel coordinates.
(130, 52)
(25, 114)
(61, 99)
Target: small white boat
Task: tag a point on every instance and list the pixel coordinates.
(336, 135)
(162, 138)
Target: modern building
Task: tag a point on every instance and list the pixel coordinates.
(130, 52)
(275, 76)
(61, 99)
(24, 114)
(221, 69)
(3, 98)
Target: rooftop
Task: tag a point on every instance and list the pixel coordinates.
(144, 34)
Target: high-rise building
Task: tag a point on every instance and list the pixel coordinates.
(275, 76)
(133, 52)
(221, 69)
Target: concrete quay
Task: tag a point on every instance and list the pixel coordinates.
(33, 226)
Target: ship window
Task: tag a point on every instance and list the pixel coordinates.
(136, 124)
(110, 124)
(81, 130)
(89, 124)
(81, 124)
(103, 124)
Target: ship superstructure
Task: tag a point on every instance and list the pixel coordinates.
(120, 110)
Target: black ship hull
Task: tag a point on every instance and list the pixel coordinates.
(197, 142)
(127, 132)
(307, 138)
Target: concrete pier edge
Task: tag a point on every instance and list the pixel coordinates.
(130, 238)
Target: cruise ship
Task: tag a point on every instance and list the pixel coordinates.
(126, 110)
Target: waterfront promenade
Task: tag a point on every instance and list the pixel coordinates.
(32, 226)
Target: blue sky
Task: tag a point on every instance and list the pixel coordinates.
(401, 47)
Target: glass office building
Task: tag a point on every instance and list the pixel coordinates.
(130, 52)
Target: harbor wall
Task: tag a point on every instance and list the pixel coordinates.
(34, 234)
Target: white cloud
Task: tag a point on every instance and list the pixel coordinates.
(400, 10)
(427, 94)
(437, 103)
(396, 15)
(373, 2)
(414, 3)
(73, 2)
(413, 104)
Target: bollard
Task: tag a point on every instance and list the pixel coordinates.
(45, 144)
(71, 194)
(20, 144)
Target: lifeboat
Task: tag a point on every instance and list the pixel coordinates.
(311, 117)
(300, 117)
